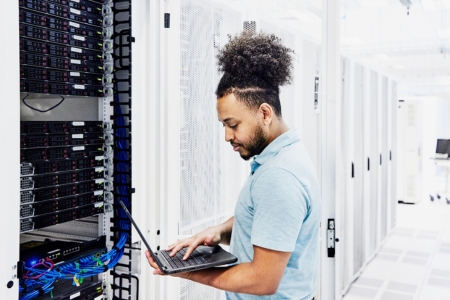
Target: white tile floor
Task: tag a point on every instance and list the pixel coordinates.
(414, 262)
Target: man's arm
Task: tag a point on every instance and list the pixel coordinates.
(220, 234)
(262, 276)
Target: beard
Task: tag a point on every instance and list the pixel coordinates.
(255, 145)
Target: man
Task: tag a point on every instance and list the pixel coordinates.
(275, 228)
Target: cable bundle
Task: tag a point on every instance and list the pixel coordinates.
(122, 166)
(39, 281)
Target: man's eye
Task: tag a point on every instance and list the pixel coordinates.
(233, 126)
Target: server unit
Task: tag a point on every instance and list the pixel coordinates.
(409, 176)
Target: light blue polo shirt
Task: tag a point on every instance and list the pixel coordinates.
(279, 208)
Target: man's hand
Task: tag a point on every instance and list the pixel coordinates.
(153, 264)
(211, 236)
(208, 237)
(267, 267)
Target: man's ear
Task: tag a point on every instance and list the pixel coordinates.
(267, 112)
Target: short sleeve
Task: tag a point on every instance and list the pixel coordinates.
(280, 205)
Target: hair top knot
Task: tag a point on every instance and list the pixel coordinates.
(255, 60)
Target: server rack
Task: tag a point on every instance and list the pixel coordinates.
(71, 70)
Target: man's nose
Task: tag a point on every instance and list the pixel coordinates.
(228, 134)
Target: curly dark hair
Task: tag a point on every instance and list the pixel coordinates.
(255, 65)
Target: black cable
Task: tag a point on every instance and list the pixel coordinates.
(39, 110)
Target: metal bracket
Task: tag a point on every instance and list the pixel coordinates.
(316, 92)
(331, 238)
(166, 20)
(19, 266)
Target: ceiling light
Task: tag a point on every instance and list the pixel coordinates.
(407, 4)
(444, 33)
(352, 41)
(398, 67)
(381, 56)
(428, 4)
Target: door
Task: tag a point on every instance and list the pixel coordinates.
(410, 151)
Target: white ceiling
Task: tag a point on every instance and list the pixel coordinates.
(413, 48)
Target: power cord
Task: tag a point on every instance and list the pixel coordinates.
(39, 110)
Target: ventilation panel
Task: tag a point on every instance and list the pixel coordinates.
(250, 26)
(203, 202)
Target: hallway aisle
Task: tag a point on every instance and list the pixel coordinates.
(414, 262)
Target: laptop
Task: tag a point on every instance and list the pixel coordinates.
(203, 257)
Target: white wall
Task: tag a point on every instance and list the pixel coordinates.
(9, 152)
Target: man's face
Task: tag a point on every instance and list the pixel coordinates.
(243, 127)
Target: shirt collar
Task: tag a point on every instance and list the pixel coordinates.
(286, 139)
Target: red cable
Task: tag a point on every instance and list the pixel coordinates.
(40, 264)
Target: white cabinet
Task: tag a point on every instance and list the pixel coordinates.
(409, 158)
(367, 198)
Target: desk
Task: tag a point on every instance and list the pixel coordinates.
(443, 163)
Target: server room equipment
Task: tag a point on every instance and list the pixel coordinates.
(74, 169)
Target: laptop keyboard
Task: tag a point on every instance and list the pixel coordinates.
(177, 261)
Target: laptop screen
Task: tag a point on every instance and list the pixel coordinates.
(137, 228)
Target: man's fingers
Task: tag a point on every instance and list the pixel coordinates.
(207, 241)
(178, 247)
(191, 247)
(148, 255)
(149, 258)
(174, 250)
(157, 272)
(191, 243)
(188, 252)
(152, 263)
(170, 247)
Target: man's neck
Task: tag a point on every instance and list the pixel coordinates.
(279, 127)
